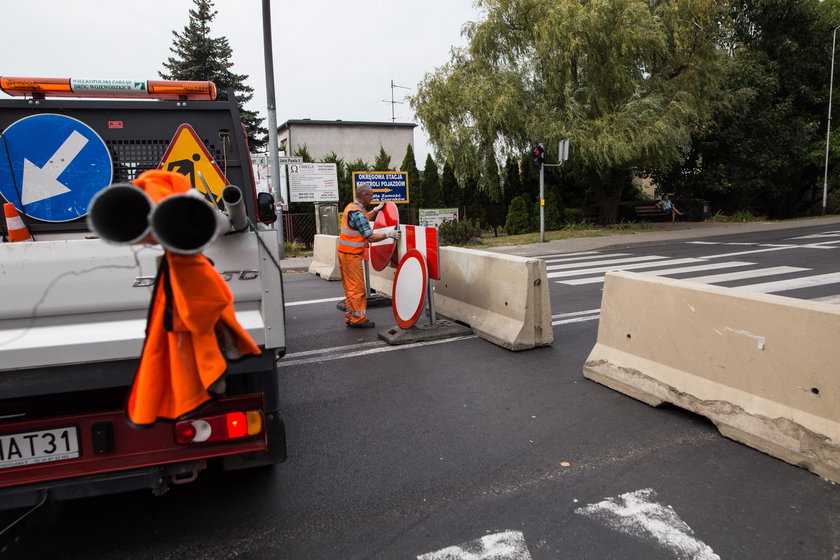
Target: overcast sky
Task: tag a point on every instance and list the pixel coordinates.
(333, 59)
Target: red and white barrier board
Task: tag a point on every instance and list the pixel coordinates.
(425, 241)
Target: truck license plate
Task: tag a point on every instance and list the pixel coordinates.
(44, 446)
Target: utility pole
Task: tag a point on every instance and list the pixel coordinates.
(274, 162)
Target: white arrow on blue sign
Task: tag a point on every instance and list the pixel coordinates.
(51, 166)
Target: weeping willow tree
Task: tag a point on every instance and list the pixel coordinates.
(625, 80)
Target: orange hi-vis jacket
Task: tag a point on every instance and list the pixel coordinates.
(351, 241)
(182, 364)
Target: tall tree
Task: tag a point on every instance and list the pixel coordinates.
(452, 191)
(415, 188)
(432, 191)
(513, 181)
(383, 161)
(625, 80)
(197, 56)
(345, 187)
(764, 146)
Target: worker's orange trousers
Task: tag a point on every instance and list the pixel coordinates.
(353, 282)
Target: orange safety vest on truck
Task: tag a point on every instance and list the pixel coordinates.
(182, 364)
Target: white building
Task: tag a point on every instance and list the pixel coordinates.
(350, 140)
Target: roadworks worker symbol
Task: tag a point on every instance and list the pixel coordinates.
(188, 156)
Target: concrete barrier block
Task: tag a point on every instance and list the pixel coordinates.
(503, 298)
(325, 258)
(763, 368)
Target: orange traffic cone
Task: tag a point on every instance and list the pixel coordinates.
(17, 230)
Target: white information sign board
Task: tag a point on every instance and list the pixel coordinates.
(313, 182)
(433, 217)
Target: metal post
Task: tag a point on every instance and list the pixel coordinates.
(542, 203)
(274, 162)
(367, 280)
(828, 126)
(431, 295)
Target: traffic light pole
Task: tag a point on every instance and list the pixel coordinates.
(542, 197)
(542, 203)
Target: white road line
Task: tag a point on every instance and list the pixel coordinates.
(329, 354)
(638, 514)
(575, 313)
(575, 317)
(796, 283)
(663, 272)
(752, 252)
(310, 301)
(508, 545)
(324, 351)
(602, 269)
(553, 255)
(560, 259)
(605, 262)
(829, 299)
(818, 235)
(746, 274)
(718, 243)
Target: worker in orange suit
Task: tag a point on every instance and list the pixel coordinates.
(355, 234)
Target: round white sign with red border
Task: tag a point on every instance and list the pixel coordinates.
(409, 292)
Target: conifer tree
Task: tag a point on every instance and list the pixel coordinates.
(415, 188)
(452, 192)
(198, 56)
(382, 161)
(431, 184)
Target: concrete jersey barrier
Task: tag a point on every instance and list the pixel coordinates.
(325, 258)
(503, 298)
(763, 368)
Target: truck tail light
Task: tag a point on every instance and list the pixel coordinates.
(221, 427)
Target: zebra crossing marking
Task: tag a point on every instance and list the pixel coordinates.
(746, 274)
(794, 284)
(610, 262)
(663, 272)
(595, 265)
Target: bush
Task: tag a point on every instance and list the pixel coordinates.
(573, 216)
(517, 219)
(458, 232)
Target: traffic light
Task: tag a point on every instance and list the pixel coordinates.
(537, 155)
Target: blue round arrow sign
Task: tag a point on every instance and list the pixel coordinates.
(51, 166)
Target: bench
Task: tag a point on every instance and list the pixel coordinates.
(652, 211)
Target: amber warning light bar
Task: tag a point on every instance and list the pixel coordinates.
(74, 87)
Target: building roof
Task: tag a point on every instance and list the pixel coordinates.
(314, 122)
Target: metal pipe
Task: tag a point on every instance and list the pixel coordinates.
(235, 207)
(120, 214)
(186, 224)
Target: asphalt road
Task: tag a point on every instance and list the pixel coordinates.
(403, 452)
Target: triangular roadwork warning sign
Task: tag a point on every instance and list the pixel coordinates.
(188, 156)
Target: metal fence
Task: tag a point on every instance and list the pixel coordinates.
(300, 229)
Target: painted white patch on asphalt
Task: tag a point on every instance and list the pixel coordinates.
(638, 514)
(509, 545)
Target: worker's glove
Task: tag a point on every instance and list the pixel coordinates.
(380, 207)
(393, 234)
